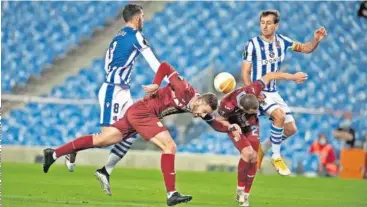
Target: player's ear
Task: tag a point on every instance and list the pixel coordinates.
(276, 25)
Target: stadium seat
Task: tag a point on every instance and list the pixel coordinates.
(31, 41)
(215, 36)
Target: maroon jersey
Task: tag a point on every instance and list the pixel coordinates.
(171, 99)
(229, 108)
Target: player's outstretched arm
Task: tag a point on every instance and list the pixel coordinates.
(246, 71)
(220, 124)
(164, 70)
(299, 77)
(310, 46)
(247, 63)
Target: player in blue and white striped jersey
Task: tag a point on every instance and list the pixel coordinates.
(264, 54)
(114, 95)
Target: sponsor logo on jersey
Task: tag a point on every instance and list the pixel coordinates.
(271, 60)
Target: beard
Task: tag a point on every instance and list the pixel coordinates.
(140, 25)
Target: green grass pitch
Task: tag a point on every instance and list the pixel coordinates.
(25, 185)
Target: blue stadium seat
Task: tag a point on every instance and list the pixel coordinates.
(31, 41)
(336, 76)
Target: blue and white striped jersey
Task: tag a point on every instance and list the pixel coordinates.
(121, 54)
(266, 57)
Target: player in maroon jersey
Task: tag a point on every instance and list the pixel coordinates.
(241, 107)
(143, 117)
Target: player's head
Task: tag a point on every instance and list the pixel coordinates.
(269, 22)
(204, 104)
(249, 104)
(134, 15)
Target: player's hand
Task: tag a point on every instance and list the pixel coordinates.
(320, 34)
(151, 88)
(261, 98)
(300, 77)
(236, 130)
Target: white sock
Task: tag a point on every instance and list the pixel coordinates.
(169, 194)
(265, 146)
(54, 155)
(112, 160)
(118, 152)
(276, 138)
(276, 151)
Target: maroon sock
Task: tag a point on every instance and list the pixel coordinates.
(242, 169)
(168, 171)
(250, 176)
(81, 143)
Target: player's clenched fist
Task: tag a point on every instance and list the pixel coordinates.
(320, 33)
(236, 130)
(300, 77)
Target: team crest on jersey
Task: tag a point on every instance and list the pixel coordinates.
(271, 54)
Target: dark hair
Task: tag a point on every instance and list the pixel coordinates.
(211, 99)
(130, 10)
(273, 12)
(249, 101)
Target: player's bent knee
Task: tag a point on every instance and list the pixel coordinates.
(254, 156)
(278, 115)
(164, 141)
(172, 147)
(290, 129)
(246, 153)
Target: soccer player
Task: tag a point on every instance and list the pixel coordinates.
(114, 95)
(143, 117)
(264, 54)
(240, 107)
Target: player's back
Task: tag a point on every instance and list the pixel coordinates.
(121, 54)
(168, 101)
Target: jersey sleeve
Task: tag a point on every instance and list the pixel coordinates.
(248, 52)
(141, 42)
(288, 42)
(258, 86)
(225, 109)
(182, 88)
(255, 88)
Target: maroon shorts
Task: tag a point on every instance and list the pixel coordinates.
(139, 119)
(244, 141)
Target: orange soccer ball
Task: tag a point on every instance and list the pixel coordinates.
(224, 82)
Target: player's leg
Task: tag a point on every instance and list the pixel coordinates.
(246, 152)
(107, 138)
(105, 99)
(122, 100)
(150, 128)
(290, 127)
(164, 141)
(277, 114)
(273, 110)
(252, 169)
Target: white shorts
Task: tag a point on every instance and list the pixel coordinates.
(113, 101)
(274, 101)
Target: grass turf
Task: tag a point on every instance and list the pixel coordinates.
(26, 185)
